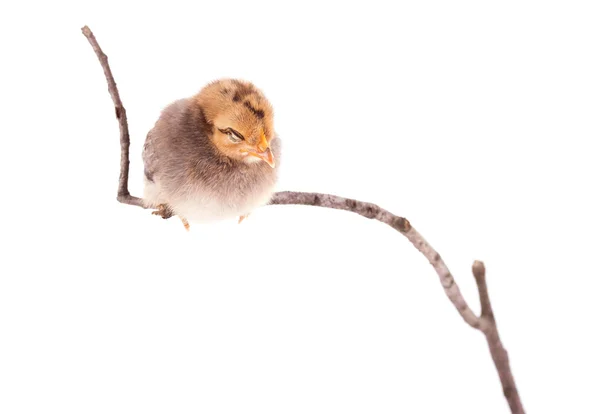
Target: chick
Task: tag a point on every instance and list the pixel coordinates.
(212, 156)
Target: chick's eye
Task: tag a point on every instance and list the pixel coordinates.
(233, 137)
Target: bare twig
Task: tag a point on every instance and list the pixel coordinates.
(484, 323)
(401, 224)
(490, 330)
(123, 192)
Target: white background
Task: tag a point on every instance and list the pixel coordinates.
(477, 122)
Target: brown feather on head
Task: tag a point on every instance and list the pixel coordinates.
(242, 118)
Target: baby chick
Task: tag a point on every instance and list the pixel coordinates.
(212, 156)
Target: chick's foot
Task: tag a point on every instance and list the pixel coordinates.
(164, 211)
(186, 224)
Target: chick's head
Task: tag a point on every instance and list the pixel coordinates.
(242, 120)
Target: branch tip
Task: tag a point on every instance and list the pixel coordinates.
(478, 270)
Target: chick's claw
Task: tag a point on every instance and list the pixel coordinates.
(242, 218)
(186, 224)
(164, 211)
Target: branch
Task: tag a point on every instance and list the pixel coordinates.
(490, 330)
(123, 192)
(372, 211)
(484, 323)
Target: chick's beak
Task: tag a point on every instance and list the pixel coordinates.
(266, 156)
(263, 151)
